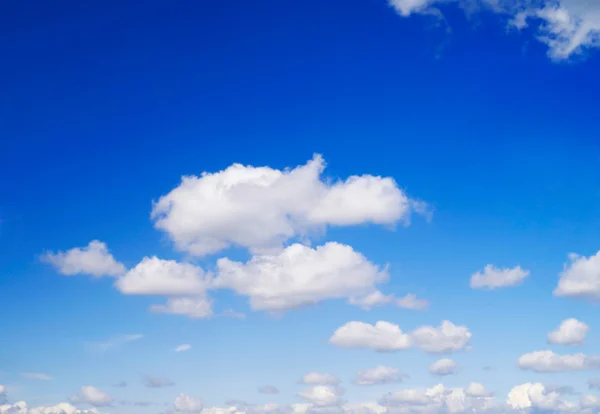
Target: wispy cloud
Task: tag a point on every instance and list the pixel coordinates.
(114, 342)
(36, 375)
(182, 348)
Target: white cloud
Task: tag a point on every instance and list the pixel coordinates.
(187, 405)
(323, 395)
(154, 276)
(567, 27)
(410, 301)
(36, 375)
(115, 342)
(183, 348)
(378, 375)
(260, 208)
(94, 259)
(94, 396)
(537, 396)
(443, 366)
(377, 298)
(570, 332)
(580, 278)
(299, 276)
(437, 399)
(386, 336)
(548, 361)
(61, 408)
(194, 308)
(446, 338)
(493, 277)
(317, 378)
(407, 7)
(476, 389)
(2, 394)
(383, 336)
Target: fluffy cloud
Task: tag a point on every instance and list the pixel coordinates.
(548, 361)
(410, 301)
(476, 389)
(154, 276)
(443, 366)
(570, 332)
(493, 277)
(386, 336)
(323, 395)
(378, 375)
(36, 375)
(260, 208)
(317, 378)
(183, 348)
(93, 396)
(299, 276)
(567, 27)
(444, 339)
(94, 260)
(383, 336)
(536, 396)
(187, 405)
(376, 298)
(194, 308)
(580, 278)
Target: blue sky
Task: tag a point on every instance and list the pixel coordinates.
(470, 129)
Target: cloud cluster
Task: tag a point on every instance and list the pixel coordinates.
(261, 209)
(567, 27)
(386, 337)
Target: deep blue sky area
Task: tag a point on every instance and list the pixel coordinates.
(104, 106)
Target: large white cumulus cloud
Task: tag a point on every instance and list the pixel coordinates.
(260, 208)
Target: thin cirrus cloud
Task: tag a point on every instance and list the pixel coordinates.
(377, 298)
(570, 332)
(566, 27)
(36, 376)
(493, 277)
(317, 378)
(114, 342)
(182, 348)
(388, 337)
(260, 208)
